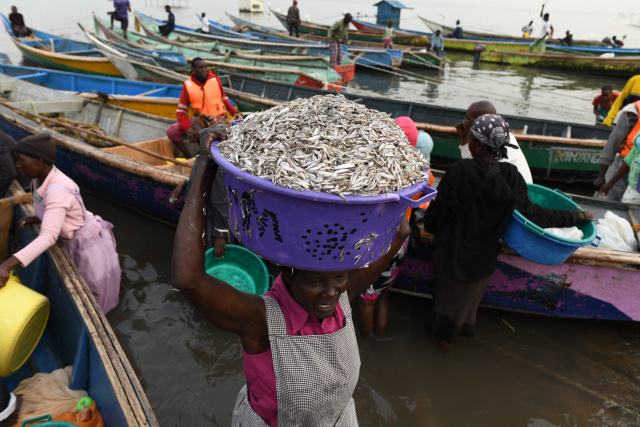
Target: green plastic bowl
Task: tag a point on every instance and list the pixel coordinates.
(240, 268)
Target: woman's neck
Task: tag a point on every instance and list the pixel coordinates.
(45, 172)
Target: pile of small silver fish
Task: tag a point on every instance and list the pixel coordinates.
(326, 144)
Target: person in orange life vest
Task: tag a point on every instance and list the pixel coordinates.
(618, 146)
(373, 304)
(204, 93)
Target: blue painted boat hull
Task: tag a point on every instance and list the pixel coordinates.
(75, 336)
(74, 82)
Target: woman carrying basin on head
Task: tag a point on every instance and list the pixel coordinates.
(300, 353)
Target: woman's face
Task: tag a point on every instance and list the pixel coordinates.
(475, 147)
(318, 292)
(28, 166)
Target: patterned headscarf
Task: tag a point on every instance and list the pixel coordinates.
(493, 131)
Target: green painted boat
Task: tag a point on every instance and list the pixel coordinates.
(625, 66)
(411, 55)
(321, 76)
(189, 48)
(205, 50)
(401, 39)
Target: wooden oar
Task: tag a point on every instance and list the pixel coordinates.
(97, 135)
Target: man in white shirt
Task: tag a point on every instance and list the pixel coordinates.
(205, 24)
(539, 44)
(514, 155)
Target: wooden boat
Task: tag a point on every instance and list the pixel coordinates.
(46, 50)
(133, 67)
(138, 179)
(209, 52)
(362, 56)
(625, 66)
(411, 56)
(554, 149)
(307, 27)
(593, 283)
(152, 98)
(77, 334)
(593, 50)
(485, 36)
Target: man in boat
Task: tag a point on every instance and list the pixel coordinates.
(457, 32)
(514, 153)
(527, 30)
(170, 23)
(618, 146)
(204, 93)
(567, 40)
(437, 43)
(293, 19)
(122, 7)
(338, 35)
(539, 44)
(612, 42)
(17, 23)
(602, 102)
(205, 24)
(630, 94)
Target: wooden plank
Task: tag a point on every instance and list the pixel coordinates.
(6, 85)
(45, 107)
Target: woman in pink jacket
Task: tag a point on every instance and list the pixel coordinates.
(61, 212)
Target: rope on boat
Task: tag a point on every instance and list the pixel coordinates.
(40, 119)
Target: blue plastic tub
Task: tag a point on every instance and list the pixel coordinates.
(240, 268)
(534, 243)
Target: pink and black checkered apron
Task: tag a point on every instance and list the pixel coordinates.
(315, 375)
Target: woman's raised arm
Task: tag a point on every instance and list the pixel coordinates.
(234, 311)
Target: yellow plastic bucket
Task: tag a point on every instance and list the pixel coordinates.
(23, 317)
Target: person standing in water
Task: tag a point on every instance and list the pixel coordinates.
(301, 358)
(476, 199)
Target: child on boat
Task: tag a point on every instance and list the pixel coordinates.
(300, 352)
(373, 304)
(476, 198)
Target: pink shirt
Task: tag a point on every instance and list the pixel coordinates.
(258, 368)
(62, 216)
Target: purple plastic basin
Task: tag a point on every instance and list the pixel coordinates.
(310, 230)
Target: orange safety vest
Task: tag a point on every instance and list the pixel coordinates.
(206, 99)
(417, 196)
(628, 144)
